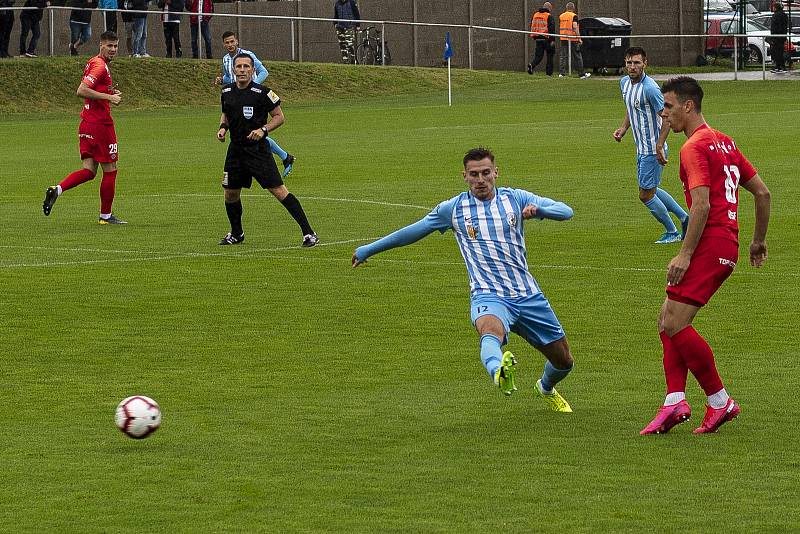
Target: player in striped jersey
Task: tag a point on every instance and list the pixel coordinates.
(643, 105)
(488, 225)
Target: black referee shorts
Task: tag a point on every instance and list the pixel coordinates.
(243, 163)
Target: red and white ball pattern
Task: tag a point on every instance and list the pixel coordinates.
(138, 416)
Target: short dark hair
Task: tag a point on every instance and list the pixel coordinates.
(228, 34)
(685, 88)
(108, 36)
(477, 154)
(636, 51)
(248, 56)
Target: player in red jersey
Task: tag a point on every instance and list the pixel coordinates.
(96, 135)
(711, 169)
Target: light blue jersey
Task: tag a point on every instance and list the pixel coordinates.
(260, 72)
(490, 235)
(644, 102)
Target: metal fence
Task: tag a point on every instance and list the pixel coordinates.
(287, 37)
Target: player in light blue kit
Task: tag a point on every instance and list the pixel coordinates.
(260, 73)
(504, 297)
(643, 105)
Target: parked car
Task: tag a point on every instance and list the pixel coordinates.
(724, 6)
(756, 44)
(765, 18)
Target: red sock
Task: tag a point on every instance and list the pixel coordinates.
(107, 191)
(76, 179)
(699, 358)
(675, 369)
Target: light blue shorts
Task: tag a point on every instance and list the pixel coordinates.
(531, 318)
(649, 170)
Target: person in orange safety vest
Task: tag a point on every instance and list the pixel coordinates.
(543, 23)
(570, 42)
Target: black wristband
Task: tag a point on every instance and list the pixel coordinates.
(221, 126)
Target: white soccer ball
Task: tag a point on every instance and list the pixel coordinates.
(138, 416)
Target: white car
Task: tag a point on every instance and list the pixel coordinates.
(758, 46)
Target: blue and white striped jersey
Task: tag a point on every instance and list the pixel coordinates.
(643, 101)
(490, 235)
(260, 72)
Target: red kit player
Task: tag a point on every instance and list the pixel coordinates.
(711, 169)
(96, 135)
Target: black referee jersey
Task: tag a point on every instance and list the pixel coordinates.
(247, 110)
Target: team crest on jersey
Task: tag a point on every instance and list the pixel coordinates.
(511, 219)
(247, 111)
(472, 231)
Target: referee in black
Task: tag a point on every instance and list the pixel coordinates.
(250, 111)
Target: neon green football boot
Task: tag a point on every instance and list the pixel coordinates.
(504, 376)
(556, 402)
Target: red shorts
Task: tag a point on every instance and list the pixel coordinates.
(712, 263)
(98, 141)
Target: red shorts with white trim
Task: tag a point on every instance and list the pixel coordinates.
(98, 141)
(712, 263)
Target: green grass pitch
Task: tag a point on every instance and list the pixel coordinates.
(302, 395)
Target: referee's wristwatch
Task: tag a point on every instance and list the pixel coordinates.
(264, 129)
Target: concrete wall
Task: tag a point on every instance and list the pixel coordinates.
(422, 46)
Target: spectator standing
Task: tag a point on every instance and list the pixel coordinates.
(30, 20)
(110, 16)
(139, 28)
(6, 23)
(570, 42)
(80, 24)
(778, 25)
(346, 11)
(172, 25)
(197, 23)
(543, 22)
(127, 21)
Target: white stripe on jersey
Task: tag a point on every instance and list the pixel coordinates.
(645, 121)
(492, 247)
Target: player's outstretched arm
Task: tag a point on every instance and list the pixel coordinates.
(402, 237)
(763, 199)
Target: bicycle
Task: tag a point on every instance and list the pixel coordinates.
(370, 51)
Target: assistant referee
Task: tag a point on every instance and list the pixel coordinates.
(250, 111)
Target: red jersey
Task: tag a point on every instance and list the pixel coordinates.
(97, 76)
(710, 158)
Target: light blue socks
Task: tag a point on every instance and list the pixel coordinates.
(552, 376)
(659, 211)
(671, 205)
(276, 149)
(491, 353)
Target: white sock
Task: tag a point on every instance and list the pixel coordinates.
(105, 215)
(58, 190)
(674, 398)
(719, 399)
